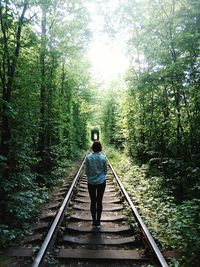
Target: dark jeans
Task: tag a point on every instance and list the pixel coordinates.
(96, 195)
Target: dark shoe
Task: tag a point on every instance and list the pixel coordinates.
(98, 225)
(94, 223)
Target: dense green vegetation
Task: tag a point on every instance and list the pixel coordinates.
(48, 102)
(44, 83)
(174, 227)
(157, 119)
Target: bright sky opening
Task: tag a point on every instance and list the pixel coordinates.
(107, 56)
(108, 60)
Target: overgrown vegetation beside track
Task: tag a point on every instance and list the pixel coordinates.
(174, 225)
(26, 205)
(44, 103)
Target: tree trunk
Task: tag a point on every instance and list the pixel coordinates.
(176, 83)
(42, 137)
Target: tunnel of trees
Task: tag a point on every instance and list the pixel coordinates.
(150, 122)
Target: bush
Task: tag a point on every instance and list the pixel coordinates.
(7, 235)
(33, 199)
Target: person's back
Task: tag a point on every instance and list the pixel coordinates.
(96, 168)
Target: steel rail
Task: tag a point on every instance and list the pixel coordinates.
(149, 237)
(44, 248)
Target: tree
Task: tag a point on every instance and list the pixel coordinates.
(45, 98)
(11, 29)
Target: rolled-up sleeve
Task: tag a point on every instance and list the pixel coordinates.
(105, 166)
(87, 166)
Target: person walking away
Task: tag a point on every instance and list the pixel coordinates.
(96, 170)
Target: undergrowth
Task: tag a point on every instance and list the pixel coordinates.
(25, 199)
(175, 226)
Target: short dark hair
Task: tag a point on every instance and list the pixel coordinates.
(96, 146)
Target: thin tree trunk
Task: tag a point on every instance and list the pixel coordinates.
(62, 78)
(42, 138)
(176, 87)
(166, 120)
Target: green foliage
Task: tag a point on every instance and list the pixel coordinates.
(111, 119)
(181, 179)
(7, 235)
(33, 200)
(175, 226)
(48, 101)
(159, 114)
(44, 105)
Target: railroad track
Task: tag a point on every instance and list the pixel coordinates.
(122, 240)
